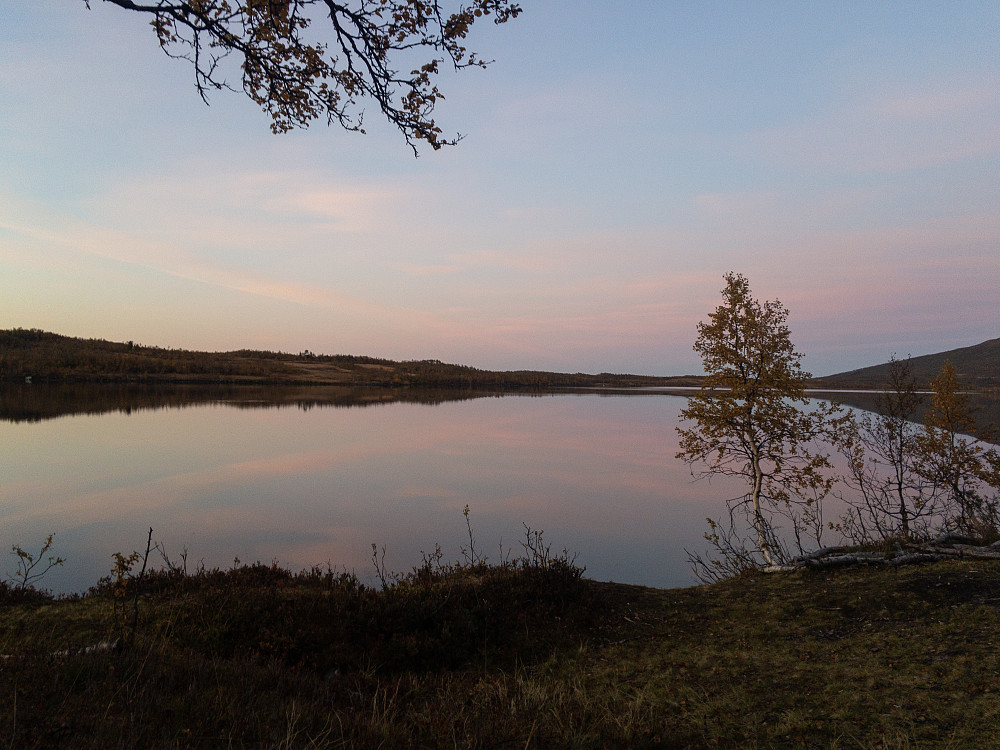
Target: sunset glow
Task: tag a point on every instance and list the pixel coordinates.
(619, 159)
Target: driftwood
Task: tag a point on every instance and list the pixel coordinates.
(944, 547)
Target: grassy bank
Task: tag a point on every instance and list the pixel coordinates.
(527, 654)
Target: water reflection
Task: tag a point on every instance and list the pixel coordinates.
(985, 407)
(308, 486)
(292, 474)
(25, 402)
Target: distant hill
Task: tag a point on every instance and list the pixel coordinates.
(39, 356)
(169, 375)
(977, 367)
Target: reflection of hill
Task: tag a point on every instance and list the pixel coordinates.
(977, 368)
(37, 402)
(986, 406)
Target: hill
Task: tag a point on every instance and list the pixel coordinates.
(48, 357)
(977, 367)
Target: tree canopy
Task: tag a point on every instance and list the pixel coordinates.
(964, 469)
(911, 482)
(303, 60)
(749, 416)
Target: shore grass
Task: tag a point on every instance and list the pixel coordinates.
(516, 655)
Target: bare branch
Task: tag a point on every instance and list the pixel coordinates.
(300, 60)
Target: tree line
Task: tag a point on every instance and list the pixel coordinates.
(48, 357)
(895, 481)
(43, 356)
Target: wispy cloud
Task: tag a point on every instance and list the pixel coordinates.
(880, 130)
(426, 269)
(605, 190)
(540, 262)
(947, 101)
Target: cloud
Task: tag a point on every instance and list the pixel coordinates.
(337, 209)
(243, 208)
(543, 262)
(426, 269)
(878, 130)
(945, 102)
(74, 237)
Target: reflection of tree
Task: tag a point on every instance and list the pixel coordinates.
(985, 407)
(35, 403)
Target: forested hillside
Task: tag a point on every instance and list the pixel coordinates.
(49, 357)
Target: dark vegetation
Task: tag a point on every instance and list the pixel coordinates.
(21, 402)
(93, 376)
(51, 358)
(518, 654)
(977, 367)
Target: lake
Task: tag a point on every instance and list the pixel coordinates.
(302, 478)
(315, 475)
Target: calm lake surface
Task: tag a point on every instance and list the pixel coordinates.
(315, 476)
(307, 482)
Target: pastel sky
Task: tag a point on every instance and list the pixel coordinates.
(620, 158)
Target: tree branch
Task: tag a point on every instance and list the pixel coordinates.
(290, 73)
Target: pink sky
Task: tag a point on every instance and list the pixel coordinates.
(619, 161)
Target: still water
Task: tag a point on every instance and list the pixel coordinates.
(307, 483)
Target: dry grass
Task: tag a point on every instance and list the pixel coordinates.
(474, 656)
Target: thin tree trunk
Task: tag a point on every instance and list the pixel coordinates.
(758, 517)
(904, 520)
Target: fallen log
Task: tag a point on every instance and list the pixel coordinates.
(947, 546)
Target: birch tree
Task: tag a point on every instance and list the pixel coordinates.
(888, 497)
(303, 60)
(962, 469)
(751, 420)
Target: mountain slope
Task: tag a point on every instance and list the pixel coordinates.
(39, 356)
(976, 367)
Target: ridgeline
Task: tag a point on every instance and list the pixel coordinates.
(48, 357)
(977, 368)
(94, 375)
